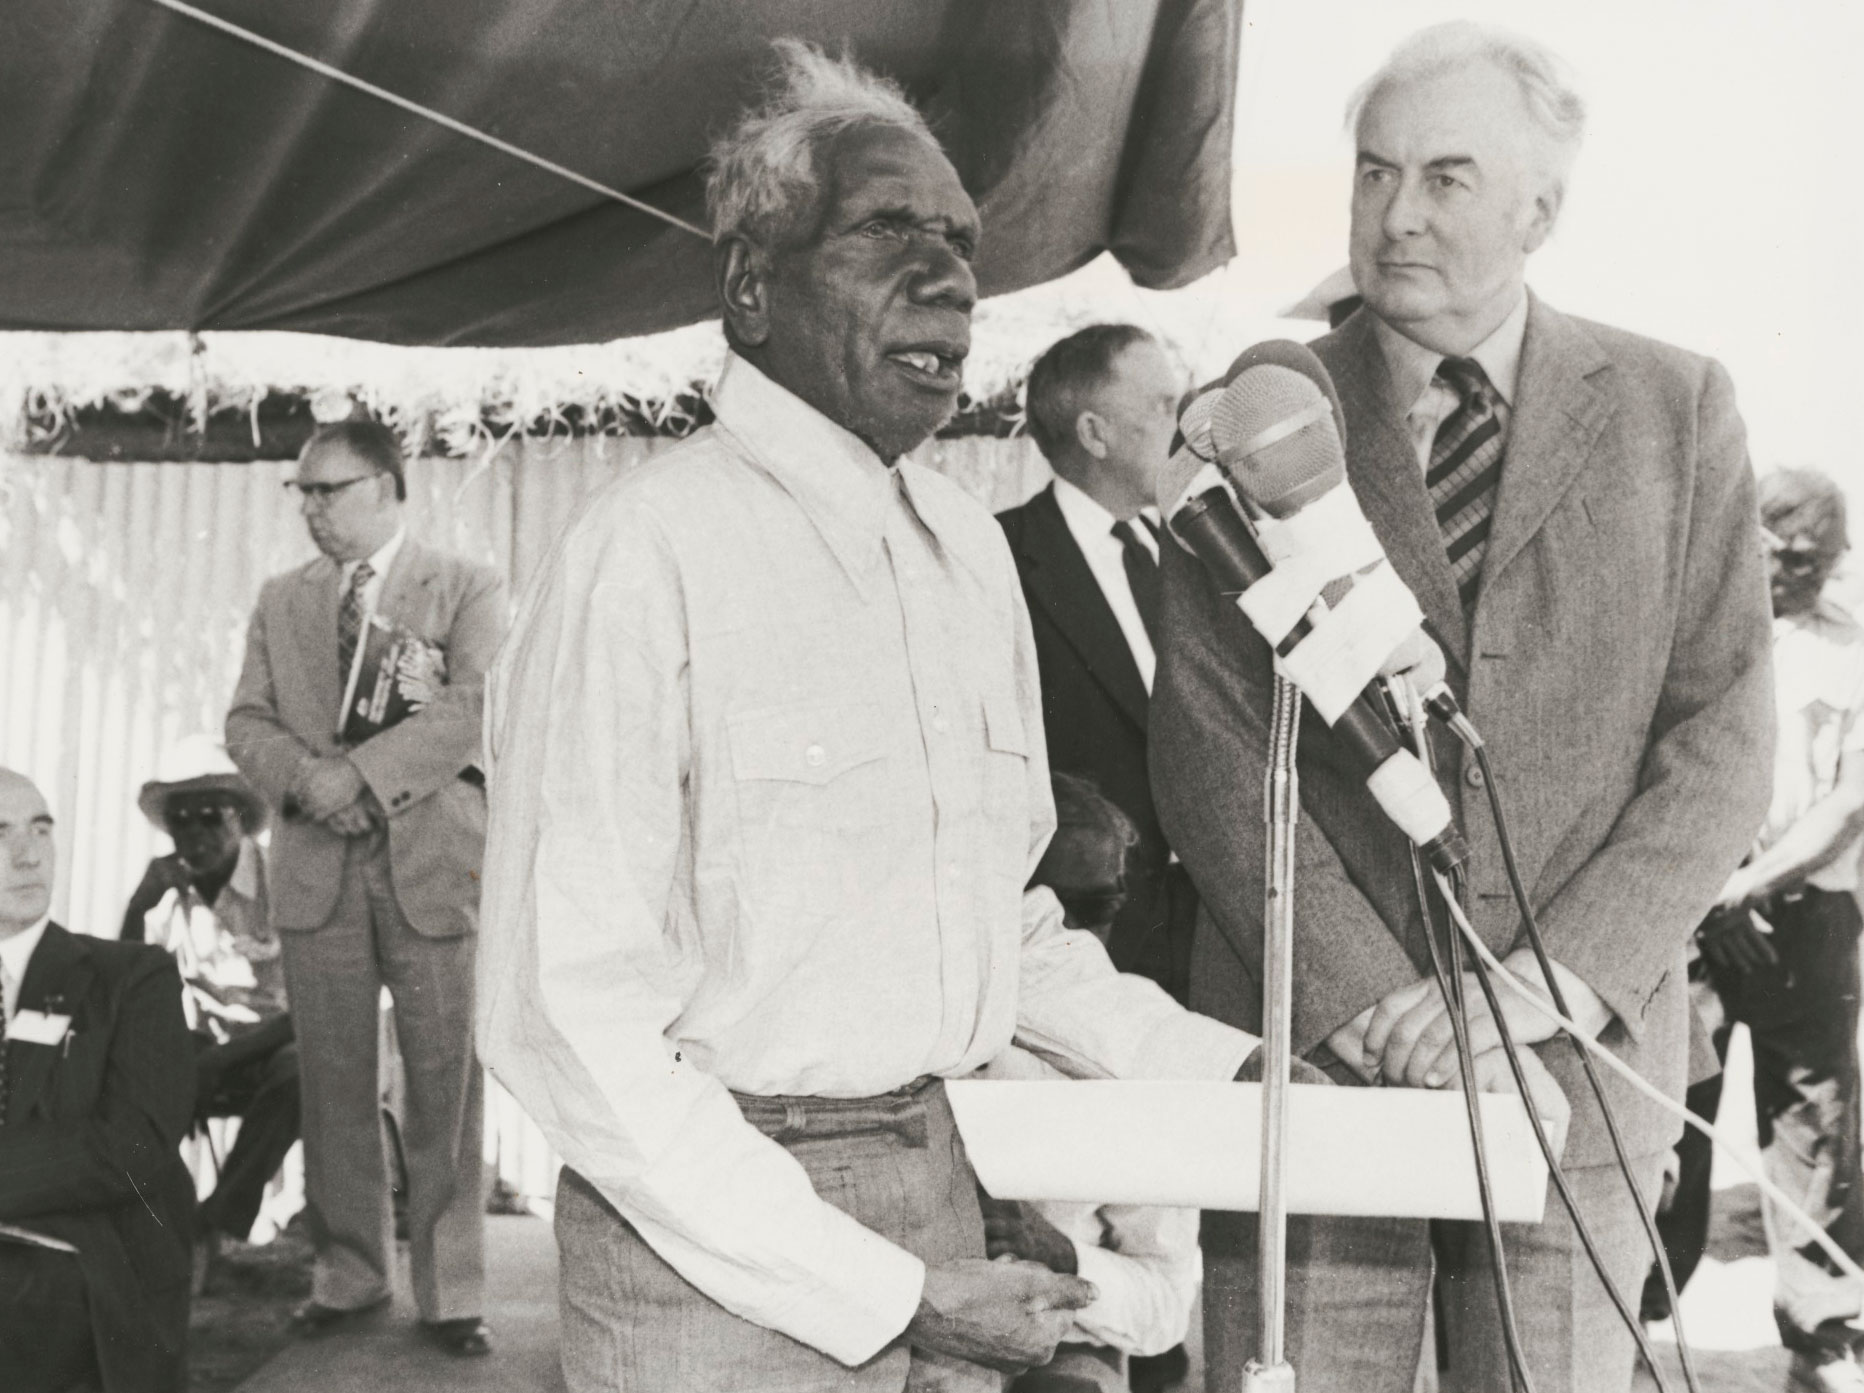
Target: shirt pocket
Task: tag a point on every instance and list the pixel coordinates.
(811, 786)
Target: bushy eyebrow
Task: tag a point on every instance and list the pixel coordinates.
(907, 217)
(1443, 164)
(36, 820)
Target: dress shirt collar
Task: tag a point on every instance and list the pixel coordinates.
(16, 953)
(1412, 366)
(379, 563)
(1089, 519)
(836, 479)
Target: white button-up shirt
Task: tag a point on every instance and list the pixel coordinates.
(767, 782)
(1818, 674)
(1092, 527)
(15, 957)
(379, 563)
(1413, 369)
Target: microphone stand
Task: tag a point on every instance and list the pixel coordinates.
(1271, 1372)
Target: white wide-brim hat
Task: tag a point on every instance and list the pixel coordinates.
(199, 764)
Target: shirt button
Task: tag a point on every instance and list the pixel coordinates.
(815, 756)
(1474, 777)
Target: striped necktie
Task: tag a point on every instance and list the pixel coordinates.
(1465, 466)
(349, 617)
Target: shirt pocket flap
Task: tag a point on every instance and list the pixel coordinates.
(810, 742)
(1003, 725)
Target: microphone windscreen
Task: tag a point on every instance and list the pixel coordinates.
(1296, 357)
(1277, 463)
(1194, 424)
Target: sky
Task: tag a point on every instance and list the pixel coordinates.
(1712, 206)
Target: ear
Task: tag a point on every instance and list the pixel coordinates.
(743, 274)
(1090, 431)
(1543, 214)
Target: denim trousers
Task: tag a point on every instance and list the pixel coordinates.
(631, 1324)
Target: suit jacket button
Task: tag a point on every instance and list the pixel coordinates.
(1473, 776)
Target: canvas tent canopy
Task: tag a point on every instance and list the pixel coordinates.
(159, 174)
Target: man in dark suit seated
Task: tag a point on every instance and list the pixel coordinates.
(96, 1089)
(1102, 408)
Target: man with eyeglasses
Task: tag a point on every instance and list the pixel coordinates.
(205, 903)
(374, 871)
(1780, 948)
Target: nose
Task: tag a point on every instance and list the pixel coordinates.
(25, 850)
(1404, 212)
(945, 279)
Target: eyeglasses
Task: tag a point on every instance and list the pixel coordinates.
(199, 815)
(323, 493)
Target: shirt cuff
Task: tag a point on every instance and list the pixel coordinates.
(877, 1295)
(1185, 1045)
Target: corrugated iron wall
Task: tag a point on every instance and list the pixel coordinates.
(125, 590)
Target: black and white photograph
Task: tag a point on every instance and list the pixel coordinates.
(931, 696)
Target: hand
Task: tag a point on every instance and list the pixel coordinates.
(1006, 1315)
(1019, 1231)
(1348, 1044)
(1733, 943)
(165, 873)
(323, 785)
(1544, 1094)
(1410, 1040)
(359, 819)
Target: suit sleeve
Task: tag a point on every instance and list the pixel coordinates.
(427, 751)
(1706, 776)
(1209, 723)
(122, 1150)
(263, 747)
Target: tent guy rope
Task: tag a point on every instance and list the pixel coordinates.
(438, 118)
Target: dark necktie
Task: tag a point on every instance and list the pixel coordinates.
(1465, 467)
(6, 1024)
(1142, 575)
(349, 618)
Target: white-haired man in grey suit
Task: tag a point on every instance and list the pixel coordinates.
(1573, 507)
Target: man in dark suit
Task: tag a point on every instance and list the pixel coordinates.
(96, 1090)
(1101, 408)
(374, 875)
(1573, 507)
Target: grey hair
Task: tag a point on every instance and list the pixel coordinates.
(1557, 111)
(764, 174)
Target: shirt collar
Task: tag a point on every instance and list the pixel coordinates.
(16, 952)
(1412, 366)
(1085, 515)
(842, 486)
(384, 557)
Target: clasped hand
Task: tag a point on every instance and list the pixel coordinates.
(331, 790)
(1007, 1315)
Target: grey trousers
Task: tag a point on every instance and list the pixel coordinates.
(1358, 1291)
(631, 1324)
(334, 976)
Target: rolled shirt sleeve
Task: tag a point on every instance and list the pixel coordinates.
(1147, 1270)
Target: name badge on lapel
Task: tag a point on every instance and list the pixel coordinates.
(38, 1028)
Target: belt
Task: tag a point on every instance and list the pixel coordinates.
(787, 1118)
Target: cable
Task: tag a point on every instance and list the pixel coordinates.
(458, 127)
(1444, 704)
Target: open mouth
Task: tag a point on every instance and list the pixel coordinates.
(939, 365)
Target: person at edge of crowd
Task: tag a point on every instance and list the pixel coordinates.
(1102, 406)
(1780, 949)
(768, 784)
(374, 877)
(1143, 1260)
(96, 1089)
(1574, 509)
(205, 903)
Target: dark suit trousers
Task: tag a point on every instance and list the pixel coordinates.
(263, 1094)
(46, 1342)
(334, 975)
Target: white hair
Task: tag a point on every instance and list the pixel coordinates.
(1557, 112)
(764, 174)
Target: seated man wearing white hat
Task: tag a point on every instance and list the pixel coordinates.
(205, 903)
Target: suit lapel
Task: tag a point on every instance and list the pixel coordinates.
(410, 573)
(315, 623)
(56, 981)
(1061, 583)
(1382, 466)
(1560, 409)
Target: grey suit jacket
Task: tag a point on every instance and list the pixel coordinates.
(1616, 661)
(285, 709)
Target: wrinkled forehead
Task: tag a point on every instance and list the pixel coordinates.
(874, 169)
(1473, 111)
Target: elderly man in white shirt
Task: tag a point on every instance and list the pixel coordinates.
(767, 783)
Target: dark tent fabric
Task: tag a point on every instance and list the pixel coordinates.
(158, 174)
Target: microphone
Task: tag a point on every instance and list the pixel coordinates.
(1198, 508)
